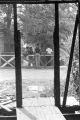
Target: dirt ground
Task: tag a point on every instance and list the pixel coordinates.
(32, 74)
(35, 82)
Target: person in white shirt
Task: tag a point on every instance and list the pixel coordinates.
(49, 50)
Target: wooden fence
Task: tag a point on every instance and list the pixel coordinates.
(8, 61)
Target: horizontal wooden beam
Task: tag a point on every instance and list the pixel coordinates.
(69, 109)
(37, 1)
(72, 116)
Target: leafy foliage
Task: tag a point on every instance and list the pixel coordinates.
(36, 22)
(6, 23)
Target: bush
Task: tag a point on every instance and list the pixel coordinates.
(75, 74)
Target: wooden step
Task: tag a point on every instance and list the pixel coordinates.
(8, 118)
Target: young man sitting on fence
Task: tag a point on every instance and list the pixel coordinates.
(37, 55)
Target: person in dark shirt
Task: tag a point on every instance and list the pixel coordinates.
(37, 49)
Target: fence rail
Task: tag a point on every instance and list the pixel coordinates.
(45, 60)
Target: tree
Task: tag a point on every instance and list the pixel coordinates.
(6, 14)
(38, 21)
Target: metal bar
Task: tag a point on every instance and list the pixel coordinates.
(70, 61)
(56, 58)
(36, 1)
(17, 44)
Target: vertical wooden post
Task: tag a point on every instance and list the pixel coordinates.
(70, 61)
(17, 44)
(79, 46)
(56, 58)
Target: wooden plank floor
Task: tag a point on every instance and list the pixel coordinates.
(39, 109)
(39, 113)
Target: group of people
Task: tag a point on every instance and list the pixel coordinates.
(33, 57)
(30, 58)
